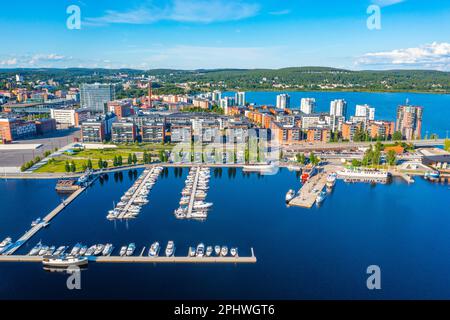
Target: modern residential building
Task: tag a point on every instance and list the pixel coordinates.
(338, 108)
(14, 129)
(153, 130)
(226, 103)
(44, 126)
(240, 98)
(121, 109)
(123, 132)
(181, 132)
(365, 111)
(70, 117)
(201, 103)
(381, 129)
(318, 135)
(308, 105)
(349, 130)
(97, 129)
(94, 97)
(409, 121)
(283, 101)
(216, 96)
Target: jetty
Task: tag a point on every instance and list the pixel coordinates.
(194, 190)
(136, 193)
(45, 221)
(146, 259)
(308, 193)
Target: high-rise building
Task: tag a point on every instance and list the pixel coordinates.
(216, 96)
(283, 101)
(338, 108)
(409, 121)
(95, 96)
(240, 98)
(308, 105)
(365, 111)
(227, 102)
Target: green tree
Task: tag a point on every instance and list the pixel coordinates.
(130, 159)
(67, 167)
(105, 164)
(447, 144)
(119, 160)
(356, 163)
(391, 158)
(314, 160)
(135, 160)
(73, 167)
(115, 162)
(89, 164)
(100, 163)
(301, 158)
(397, 136)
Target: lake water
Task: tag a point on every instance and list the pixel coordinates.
(319, 253)
(436, 118)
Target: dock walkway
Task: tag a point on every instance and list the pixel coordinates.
(194, 190)
(136, 193)
(308, 193)
(30, 233)
(143, 259)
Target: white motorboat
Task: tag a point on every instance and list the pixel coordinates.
(233, 252)
(224, 251)
(36, 249)
(108, 249)
(290, 195)
(200, 252)
(64, 262)
(191, 251)
(170, 248)
(131, 248)
(154, 249)
(209, 251)
(123, 251)
(91, 250)
(99, 249)
(217, 250)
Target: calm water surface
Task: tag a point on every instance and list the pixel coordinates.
(302, 254)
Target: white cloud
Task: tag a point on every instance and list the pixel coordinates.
(429, 56)
(386, 3)
(9, 62)
(197, 11)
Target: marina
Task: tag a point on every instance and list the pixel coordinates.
(135, 198)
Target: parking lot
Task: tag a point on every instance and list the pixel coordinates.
(58, 139)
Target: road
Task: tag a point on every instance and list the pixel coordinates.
(353, 145)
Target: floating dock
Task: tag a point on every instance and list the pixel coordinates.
(30, 233)
(194, 190)
(308, 193)
(143, 259)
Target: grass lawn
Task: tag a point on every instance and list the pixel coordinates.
(80, 158)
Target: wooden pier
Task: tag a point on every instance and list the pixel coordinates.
(308, 193)
(144, 259)
(136, 193)
(194, 190)
(30, 233)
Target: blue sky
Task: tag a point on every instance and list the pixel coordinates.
(190, 34)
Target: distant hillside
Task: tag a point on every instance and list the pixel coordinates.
(296, 78)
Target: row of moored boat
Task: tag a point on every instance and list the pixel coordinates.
(192, 204)
(77, 250)
(135, 198)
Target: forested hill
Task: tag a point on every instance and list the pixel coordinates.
(297, 78)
